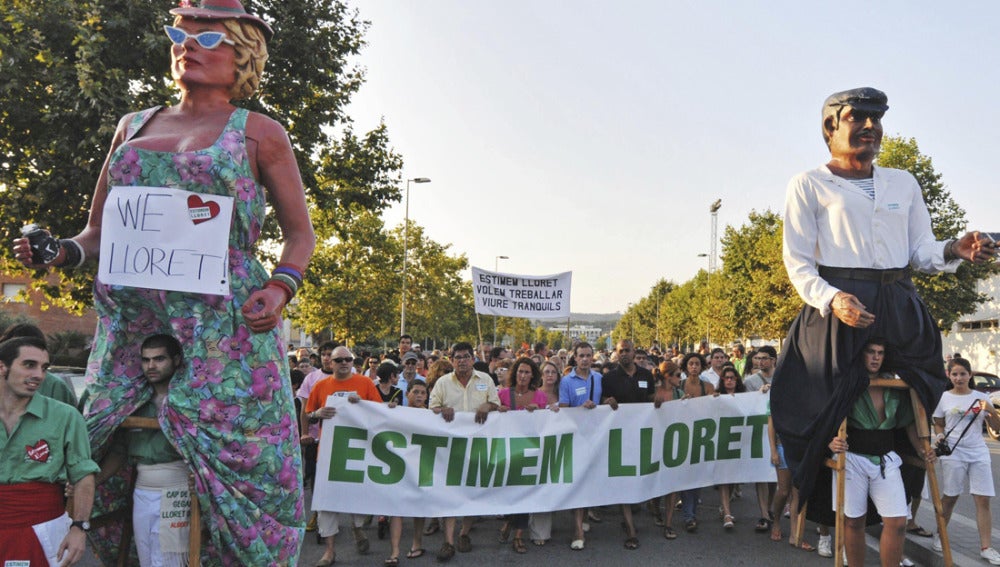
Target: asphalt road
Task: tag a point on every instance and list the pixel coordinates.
(711, 546)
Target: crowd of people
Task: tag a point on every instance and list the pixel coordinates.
(527, 379)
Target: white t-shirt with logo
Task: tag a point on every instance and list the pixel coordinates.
(952, 408)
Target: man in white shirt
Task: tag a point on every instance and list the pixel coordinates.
(852, 233)
(715, 363)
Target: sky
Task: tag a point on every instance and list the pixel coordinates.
(592, 136)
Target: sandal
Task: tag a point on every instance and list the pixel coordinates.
(632, 543)
(691, 526)
(415, 553)
(391, 562)
(433, 527)
(763, 525)
(504, 533)
(464, 543)
(669, 533)
(727, 522)
(446, 552)
(804, 546)
(538, 542)
(519, 546)
(919, 531)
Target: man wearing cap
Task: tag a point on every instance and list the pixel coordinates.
(853, 231)
(409, 372)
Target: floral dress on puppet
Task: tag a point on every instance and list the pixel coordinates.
(230, 409)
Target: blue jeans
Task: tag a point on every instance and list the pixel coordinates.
(689, 503)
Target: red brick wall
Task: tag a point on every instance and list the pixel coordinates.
(51, 320)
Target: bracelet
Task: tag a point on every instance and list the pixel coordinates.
(289, 281)
(949, 251)
(289, 292)
(75, 256)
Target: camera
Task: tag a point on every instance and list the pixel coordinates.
(942, 449)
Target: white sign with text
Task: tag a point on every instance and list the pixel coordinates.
(164, 238)
(512, 295)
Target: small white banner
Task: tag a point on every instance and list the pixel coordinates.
(163, 238)
(512, 295)
(410, 462)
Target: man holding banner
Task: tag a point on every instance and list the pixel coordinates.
(463, 390)
(354, 387)
(580, 388)
(628, 383)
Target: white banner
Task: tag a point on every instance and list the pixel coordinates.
(512, 295)
(410, 462)
(163, 238)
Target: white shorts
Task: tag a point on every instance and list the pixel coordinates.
(863, 479)
(328, 523)
(958, 477)
(146, 531)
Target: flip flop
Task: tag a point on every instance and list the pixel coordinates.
(415, 553)
(576, 545)
(632, 543)
(918, 530)
(669, 533)
(391, 562)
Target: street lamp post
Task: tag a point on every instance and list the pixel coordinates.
(496, 268)
(406, 245)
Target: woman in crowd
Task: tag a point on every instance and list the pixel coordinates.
(436, 371)
(784, 490)
(967, 466)
(540, 523)
(668, 391)
(416, 398)
(504, 375)
(729, 383)
(693, 387)
(230, 416)
(550, 383)
(388, 375)
(522, 395)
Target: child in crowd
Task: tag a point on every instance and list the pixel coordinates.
(965, 458)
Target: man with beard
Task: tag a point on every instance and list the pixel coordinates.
(160, 468)
(852, 234)
(627, 383)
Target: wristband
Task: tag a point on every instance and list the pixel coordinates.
(949, 251)
(289, 281)
(74, 255)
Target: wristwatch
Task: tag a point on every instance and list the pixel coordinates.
(82, 524)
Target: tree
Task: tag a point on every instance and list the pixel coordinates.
(72, 68)
(947, 296)
(351, 288)
(759, 298)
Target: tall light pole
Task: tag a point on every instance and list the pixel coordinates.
(713, 250)
(496, 268)
(406, 246)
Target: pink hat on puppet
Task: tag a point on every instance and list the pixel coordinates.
(221, 10)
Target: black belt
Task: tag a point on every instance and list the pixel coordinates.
(865, 274)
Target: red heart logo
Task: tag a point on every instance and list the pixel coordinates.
(40, 452)
(202, 211)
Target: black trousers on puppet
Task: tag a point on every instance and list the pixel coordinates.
(821, 373)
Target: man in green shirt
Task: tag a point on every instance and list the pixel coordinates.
(43, 445)
(161, 503)
(872, 466)
(53, 386)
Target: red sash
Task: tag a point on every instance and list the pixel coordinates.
(25, 505)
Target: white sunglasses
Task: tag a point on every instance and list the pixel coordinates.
(208, 40)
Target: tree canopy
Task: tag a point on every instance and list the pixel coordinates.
(72, 68)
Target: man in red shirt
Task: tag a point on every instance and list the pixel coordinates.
(354, 387)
